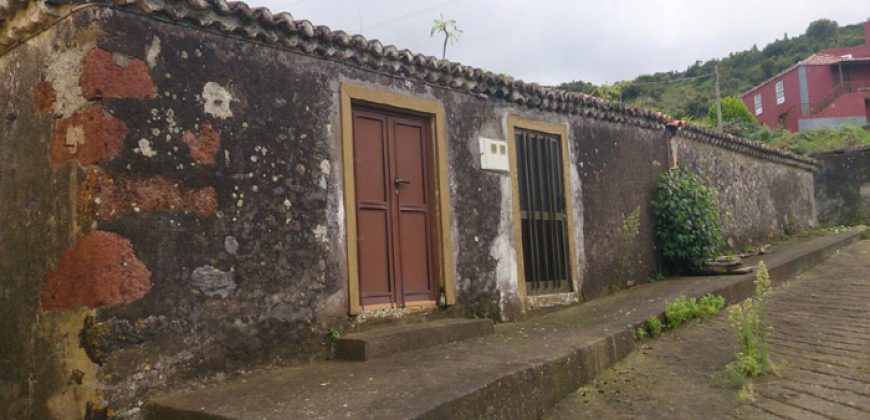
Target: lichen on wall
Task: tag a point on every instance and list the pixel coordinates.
(759, 200)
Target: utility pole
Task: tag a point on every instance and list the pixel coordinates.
(718, 102)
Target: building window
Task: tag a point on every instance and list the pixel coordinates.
(543, 212)
(780, 92)
(757, 101)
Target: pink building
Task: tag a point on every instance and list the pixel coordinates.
(830, 88)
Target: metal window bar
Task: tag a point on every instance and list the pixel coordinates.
(542, 212)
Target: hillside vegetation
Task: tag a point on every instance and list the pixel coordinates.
(688, 94)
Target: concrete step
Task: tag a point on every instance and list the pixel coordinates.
(519, 372)
(387, 341)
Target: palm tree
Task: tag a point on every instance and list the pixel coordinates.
(450, 30)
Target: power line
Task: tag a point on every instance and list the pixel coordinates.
(409, 15)
(682, 79)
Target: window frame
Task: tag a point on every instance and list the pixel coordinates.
(756, 102)
(779, 87)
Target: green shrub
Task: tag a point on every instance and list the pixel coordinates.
(710, 305)
(687, 220)
(733, 111)
(654, 326)
(680, 311)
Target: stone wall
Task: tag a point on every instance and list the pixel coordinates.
(842, 187)
(44, 372)
(175, 204)
(619, 166)
(759, 200)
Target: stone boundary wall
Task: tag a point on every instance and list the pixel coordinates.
(760, 198)
(176, 200)
(842, 187)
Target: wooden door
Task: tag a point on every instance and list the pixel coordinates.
(394, 207)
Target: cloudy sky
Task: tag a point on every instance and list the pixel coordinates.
(552, 41)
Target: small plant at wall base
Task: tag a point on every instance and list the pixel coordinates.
(684, 309)
(626, 238)
(753, 336)
(333, 334)
(687, 220)
(654, 325)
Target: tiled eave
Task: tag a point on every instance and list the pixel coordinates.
(21, 19)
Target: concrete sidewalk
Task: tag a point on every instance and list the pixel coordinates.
(519, 372)
(820, 343)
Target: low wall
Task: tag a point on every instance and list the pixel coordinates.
(842, 187)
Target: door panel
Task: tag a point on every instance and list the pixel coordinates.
(415, 270)
(373, 190)
(392, 176)
(410, 163)
(370, 158)
(374, 261)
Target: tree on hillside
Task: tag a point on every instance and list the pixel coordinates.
(449, 29)
(822, 30)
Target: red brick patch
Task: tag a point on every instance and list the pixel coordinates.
(108, 76)
(103, 198)
(90, 135)
(100, 270)
(204, 146)
(44, 97)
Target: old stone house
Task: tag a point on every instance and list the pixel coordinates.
(192, 188)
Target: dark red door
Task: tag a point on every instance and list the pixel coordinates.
(394, 207)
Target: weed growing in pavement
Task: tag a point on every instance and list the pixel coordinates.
(333, 334)
(654, 325)
(684, 309)
(710, 305)
(681, 310)
(658, 276)
(753, 336)
(640, 333)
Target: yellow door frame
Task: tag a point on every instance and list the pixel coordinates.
(354, 93)
(514, 122)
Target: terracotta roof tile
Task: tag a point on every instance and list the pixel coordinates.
(281, 30)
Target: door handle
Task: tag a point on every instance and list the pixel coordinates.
(400, 181)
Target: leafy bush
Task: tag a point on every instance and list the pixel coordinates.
(753, 335)
(654, 326)
(710, 305)
(733, 111)
(687, 220)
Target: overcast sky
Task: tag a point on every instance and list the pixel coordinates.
(553, 41)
